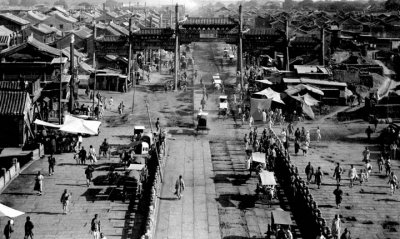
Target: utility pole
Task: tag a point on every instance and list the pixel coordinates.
(240, 47)
(287, 59)
(322, 46)
(176, 46)
(129, 55)
(59, 102)
(72, 72)
(94, 61)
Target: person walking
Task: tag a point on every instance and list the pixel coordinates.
(393, 149)
(338, 173)
(318, 177)
(338, 196)
(318, 134)
(65, 197)
(92, 155)
(77, 149)
(28, 228)
(388, 166)
(89, 174)
(366, 154)
(264, 117)
(179, 187)
(95, 227)
(52, 163)
(369, 131)
(82, 155)
(352, 175)
(309, 172)
(380, 163)
(335, 229)
(296, 146)
(393, 182)
(158, 125)
(368, 170)
(8, 229)
(39, 183)
(346, 234)
(251, 121)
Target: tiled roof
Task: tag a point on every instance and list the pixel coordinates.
(14, 18)
(155, 31)
(13, 103)
(37, 16)
(43, 28)
(119, 28)
(4, 31)
(10, 85)
(263, 32)
(208, 21)
(62, 17)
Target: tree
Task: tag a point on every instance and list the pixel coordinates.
(27, 3)
(306, 4)
(62, 3)
(392, 5)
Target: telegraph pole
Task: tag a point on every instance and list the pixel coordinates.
(94, 61)
(176, 46)
(287, 61)
(72, 72)
(129, 55)
(240, 47)
(59, 102)
(322, 46)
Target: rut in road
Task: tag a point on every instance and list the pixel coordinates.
(241, 212)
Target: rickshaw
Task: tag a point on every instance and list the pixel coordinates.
(202, 122)
(225, 53)
(135, 175)
(258, 161)
(223, 106)
(137, 130)
(217, 82)
(280, 219)
(266, 185)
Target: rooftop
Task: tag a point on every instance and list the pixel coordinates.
(14, 19)
(13, 103)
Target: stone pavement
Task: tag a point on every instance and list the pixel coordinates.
(196, 214)
(46, 210)
(368, 210)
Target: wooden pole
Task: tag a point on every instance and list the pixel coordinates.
(129, 55)
(176, 46)
(59, 102)
(94, 62)
(72, 72)
(240, 47)
(287, 59)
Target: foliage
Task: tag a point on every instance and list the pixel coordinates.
(61, 3)
(392, 5)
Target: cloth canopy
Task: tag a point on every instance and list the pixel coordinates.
(9, 212)
(271, 94)
(267, 178)
(307, 101)
(44, 123)
(281, 217)
(300, 87)
(80, 126)
(267, 82)
(258, 157)
(257, 105)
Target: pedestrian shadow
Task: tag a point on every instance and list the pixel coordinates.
(371, 192)
(71, 185)
(47, 213)
(18, 194)
(168, 198)
(69, 164)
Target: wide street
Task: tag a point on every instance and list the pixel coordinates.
(219, 200)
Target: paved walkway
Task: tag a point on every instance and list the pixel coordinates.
(368, 210)
(46, 210)
(196, 214)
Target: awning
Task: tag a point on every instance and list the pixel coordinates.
(271, 94)
(300, 87)
(258, 157)
(281, 217)
(80, 126)
(267, 82)
(267, 178)
(136, 167)
(9, 212)
(44, 123)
